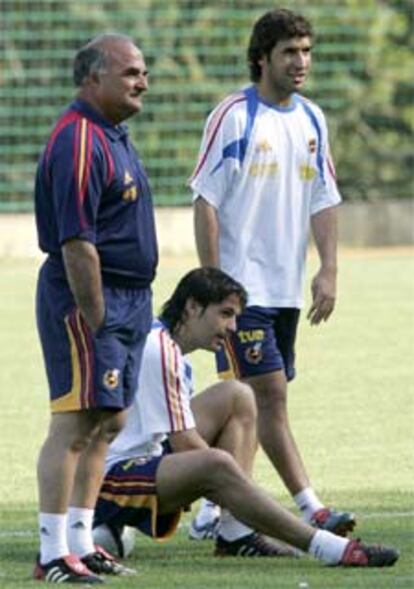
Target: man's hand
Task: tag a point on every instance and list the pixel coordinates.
(323, 296)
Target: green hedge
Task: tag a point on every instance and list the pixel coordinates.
(362, 77)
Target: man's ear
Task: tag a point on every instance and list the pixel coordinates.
(263, 60)
(192, 308)
(94, 78)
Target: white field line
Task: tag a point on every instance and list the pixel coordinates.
(385, 514)
(360, 516)
(17, 533)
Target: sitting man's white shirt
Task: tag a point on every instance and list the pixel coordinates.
(162, 402)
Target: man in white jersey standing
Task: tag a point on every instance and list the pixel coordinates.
(263, 179)
(149, 480)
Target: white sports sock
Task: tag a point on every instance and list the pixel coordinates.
(308, 503)
(230, 528)
(52, 531)
(327, 547)
(80, 537)
(207, 513)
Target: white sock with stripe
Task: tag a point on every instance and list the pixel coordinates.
(308, 502)
(207, 513)
(80, 537)
(52, 531)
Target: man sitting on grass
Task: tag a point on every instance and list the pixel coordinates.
(175, 449)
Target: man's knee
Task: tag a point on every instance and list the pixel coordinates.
(244, 402)
(270, 393)
(219, 466)
(71, 430)
(111, 425)
(76, 430)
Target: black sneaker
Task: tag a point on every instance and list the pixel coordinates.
(358, 554)
(103, 563)
(253, 544)
(338, 522)
(68, 569)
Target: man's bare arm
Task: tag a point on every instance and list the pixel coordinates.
(206, 229)
(324, 228)
(83, 271)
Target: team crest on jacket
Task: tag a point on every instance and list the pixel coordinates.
(312, 145)
(254, 354)
(130, 193)
(111, 378)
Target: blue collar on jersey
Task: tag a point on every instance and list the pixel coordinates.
(252, 90)
(114, 133)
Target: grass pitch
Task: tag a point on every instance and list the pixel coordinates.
(352, 410)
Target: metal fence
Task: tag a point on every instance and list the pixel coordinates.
(362, 77)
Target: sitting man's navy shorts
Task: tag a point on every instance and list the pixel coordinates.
(128, 496)
(264, 342)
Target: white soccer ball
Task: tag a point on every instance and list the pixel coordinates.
(118, 544)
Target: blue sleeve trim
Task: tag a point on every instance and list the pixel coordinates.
(238, 148)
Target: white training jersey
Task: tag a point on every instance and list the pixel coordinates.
(266, 170)
(162, 401)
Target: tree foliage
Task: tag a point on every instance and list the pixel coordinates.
(195, 50)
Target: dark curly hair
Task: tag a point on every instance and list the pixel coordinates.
(272, 27)
(206, 286)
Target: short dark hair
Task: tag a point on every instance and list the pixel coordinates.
(87, 61)
(92, 57)
(206, 286)
(272, 27)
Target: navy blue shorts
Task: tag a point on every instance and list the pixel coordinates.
(86, 370)
(128, 496)
(264, 342)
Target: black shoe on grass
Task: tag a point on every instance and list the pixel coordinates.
(103, 563)
(254, 544)
(340, 523)
(68, 569)
(358, 554)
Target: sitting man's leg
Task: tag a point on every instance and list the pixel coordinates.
(212, 473)
(163, 486)
(226, 416)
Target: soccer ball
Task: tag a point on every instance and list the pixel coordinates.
(119, 543)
